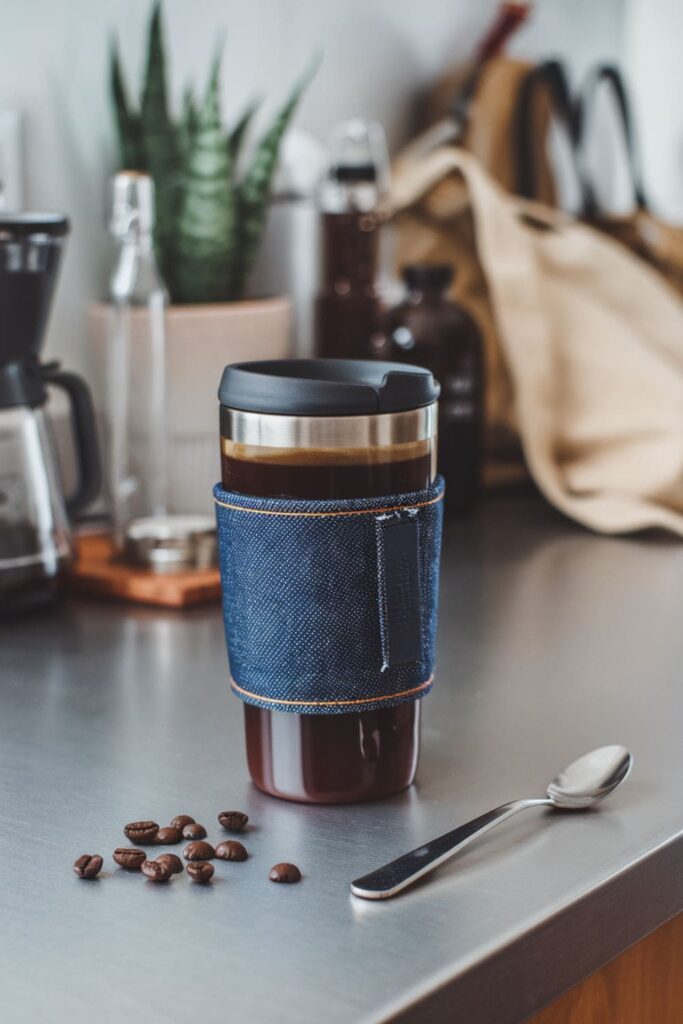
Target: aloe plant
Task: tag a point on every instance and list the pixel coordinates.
(209, 219)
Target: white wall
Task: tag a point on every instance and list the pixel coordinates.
(652, 49)
(377, 55)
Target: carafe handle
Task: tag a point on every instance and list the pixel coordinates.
(85, 436)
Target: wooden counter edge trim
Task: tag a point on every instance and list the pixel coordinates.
(644, 983)
(530, 972)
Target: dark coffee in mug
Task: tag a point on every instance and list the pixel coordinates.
(328, 453)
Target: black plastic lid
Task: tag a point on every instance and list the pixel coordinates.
(326, 387)
(354, 172)
(428, 275)
(21, 225)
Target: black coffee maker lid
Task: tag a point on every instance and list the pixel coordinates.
(26, 287)
(21, 225)
(326, 387)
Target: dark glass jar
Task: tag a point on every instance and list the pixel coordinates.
(428, 329)
(358, 437)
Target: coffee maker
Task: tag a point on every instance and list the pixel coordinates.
(35, 540)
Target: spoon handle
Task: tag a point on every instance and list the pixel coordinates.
(402, 872)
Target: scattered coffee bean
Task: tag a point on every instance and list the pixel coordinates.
(181, 820)
(233, 821)
(143, 832)
(231, 850)
(285, 873)
(199, 850)
(155, 871)
(173, 863)
(201, 871)
(129, 858)
(168, 836)
(194, 831)
(88, 866)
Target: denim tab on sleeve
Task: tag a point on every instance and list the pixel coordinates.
(330, 606)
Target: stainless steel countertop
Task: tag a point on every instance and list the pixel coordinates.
(552, 641)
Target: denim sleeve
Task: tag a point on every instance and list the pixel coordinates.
(330, 606)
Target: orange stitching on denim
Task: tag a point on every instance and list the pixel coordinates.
(328, 515)
(331, 703)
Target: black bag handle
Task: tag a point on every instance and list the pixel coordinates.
(607, 75)
(548, 77)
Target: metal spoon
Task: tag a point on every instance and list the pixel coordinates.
(593, 777)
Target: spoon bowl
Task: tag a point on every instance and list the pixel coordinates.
(590, 778)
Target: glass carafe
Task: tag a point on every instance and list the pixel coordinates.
(34, 534)
(34, 527)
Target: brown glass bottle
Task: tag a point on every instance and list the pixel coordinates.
(429, 330)
(347, 308)
(346, 757)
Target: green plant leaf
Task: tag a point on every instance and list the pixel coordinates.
(254, 190)
(161, 144)
(206, 238)
(207, 228)
(188, 123)
(154, 94)
(237, 134)
(128, 122)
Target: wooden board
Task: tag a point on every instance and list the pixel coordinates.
(97, 571)
(642, 986)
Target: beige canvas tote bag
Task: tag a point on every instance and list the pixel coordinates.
(585, 347)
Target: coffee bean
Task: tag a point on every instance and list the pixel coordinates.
(285, 873)
(129, 858)
(168, 836)
(155, 871)
(231, 850)
(199, 851)
(143, 832)
(201, 871)
(233, 821)
(181, 820)
(88, 866)
(194, 831)
(173, 863)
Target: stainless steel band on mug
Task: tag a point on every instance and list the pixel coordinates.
(381, 430)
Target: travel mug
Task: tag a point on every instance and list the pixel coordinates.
(331, 456)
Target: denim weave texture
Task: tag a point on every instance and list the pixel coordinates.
(304, 601)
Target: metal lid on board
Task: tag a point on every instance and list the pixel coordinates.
(171, 543)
